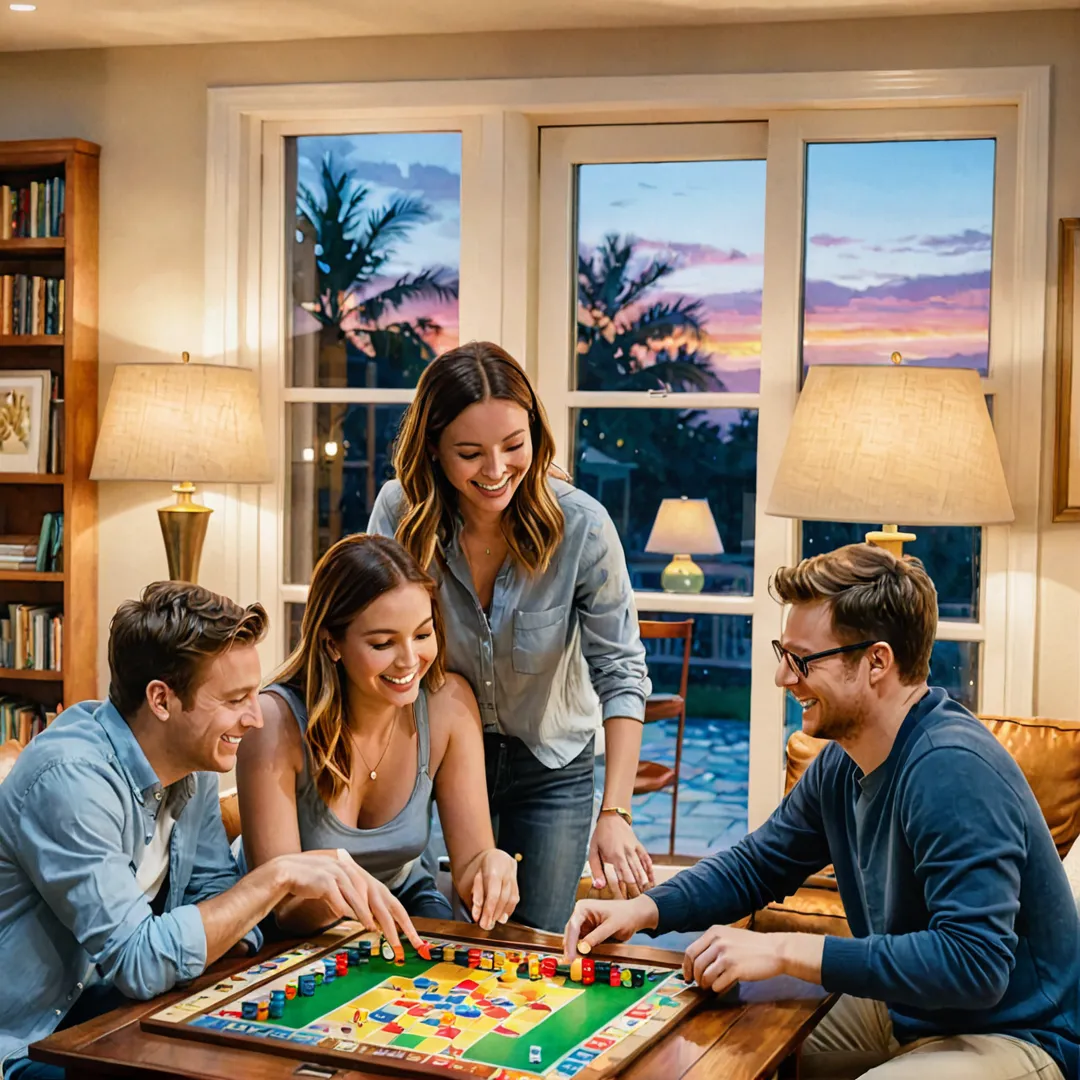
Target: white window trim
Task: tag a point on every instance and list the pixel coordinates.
(509, 114)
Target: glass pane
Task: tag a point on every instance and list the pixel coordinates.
(950, 553)
(715, 770)
(630, 459)
(339, 457)
(676, 304)
(294, 616)
(898, 239)
(954, 665)
(374, 248)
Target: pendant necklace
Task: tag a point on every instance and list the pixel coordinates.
(374, 772)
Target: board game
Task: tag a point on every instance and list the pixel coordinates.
(490, 1011)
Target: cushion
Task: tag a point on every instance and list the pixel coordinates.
(808, 911)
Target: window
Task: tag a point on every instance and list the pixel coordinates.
(666, 318)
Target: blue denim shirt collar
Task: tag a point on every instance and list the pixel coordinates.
(137, 770)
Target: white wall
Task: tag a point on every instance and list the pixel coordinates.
(147, 109)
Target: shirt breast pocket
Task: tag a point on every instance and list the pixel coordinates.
(539, 640)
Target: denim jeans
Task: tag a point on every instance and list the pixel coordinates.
(25, 1069)
(545, 815)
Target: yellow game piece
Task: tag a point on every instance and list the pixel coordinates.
(448, 1019)
(448, 954)
(500, 959)
(534, 966)
(584, 947)
(508, 974)
(360, 1016)
(486, 961)
(626, 977)
(575, 969)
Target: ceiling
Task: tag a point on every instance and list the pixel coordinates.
(70, 24)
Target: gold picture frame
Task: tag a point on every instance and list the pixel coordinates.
(1067, 427)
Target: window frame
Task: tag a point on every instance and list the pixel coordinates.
(244, 284)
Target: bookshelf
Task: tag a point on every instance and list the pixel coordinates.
(71, 355)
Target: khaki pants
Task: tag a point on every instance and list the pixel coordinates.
(856, 1040)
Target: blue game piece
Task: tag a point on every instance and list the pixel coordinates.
(434, 1021)
(468, 1011)
(422, 981)
(249, 1009)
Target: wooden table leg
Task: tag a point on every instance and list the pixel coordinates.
(790, 1067)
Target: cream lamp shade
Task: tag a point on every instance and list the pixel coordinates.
(895, 444)
(182, 423)
(684, 527)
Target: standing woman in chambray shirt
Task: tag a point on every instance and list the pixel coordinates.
(540, 619)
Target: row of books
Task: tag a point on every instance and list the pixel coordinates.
(31, 304)
(34, 209)
(32, 638)
(22, 720)
(26, 551)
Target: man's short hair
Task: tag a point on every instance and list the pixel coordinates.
(873, 595)
(168, 634)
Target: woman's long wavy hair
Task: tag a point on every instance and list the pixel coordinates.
(479, 371)
(354, 572)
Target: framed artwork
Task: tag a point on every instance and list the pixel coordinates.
(1067, 433)
(24, 420)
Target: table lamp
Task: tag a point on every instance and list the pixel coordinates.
(892, 443)
(684, 526)
(182, 423)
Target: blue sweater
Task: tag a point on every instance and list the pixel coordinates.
(961, 912)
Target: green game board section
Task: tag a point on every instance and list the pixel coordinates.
(302, 1011)
(573, 1024)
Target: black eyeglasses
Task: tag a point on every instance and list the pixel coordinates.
(801, 664)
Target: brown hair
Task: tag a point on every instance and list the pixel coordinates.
(478, 371)
(168, 634)
(354, 572)
(872, 595)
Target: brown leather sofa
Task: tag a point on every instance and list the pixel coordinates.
(1048, 752)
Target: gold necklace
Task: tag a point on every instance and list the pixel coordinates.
(373, 772)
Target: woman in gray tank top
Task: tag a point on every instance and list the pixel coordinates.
(362, 727)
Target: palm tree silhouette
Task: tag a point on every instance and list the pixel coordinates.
(350, 246)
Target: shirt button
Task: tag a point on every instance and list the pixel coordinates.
(487, 682)
(157, 795)
(59, 1013)
(78, 986)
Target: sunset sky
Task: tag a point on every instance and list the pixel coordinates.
(897, 251)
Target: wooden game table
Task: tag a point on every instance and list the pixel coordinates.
(750, 1036)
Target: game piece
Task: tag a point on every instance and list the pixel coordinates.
(448, 954)
(637, 977)
(602, 969)
(424, 952)
(588, 971)
(290, 990)
(249, 1009)
(399, 955)
(487, 960)
(474, 958)
(575, 969)
(584, 947)
(447, 1019)
(523, 970)
(364, 948)
(562, 971)
(263, 1011)
(461, 957)
(627, 977)
(500, 960)
(614, 979)
(318, 978)
(536, 1055)
(508, 974)
(352, 954)
(387, 950)
(306, 984)
(277, 1008)
(547, 967)
(359, 1016)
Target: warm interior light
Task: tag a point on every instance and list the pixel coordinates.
(23, 7)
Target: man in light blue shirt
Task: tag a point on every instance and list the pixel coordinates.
(115, 874)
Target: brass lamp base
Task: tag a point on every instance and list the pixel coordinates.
(891, 539)
(183, 528)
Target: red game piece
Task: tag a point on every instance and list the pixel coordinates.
(394, 1028)
(616, 976)
(474, 958)
(588, 971)
(424, 951)
(548, 966)
(399, 955)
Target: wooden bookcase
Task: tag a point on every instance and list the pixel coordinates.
(72, 355)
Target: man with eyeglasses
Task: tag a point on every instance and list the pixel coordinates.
(964, 962)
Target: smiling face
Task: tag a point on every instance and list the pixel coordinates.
(224, 708)
(486, 452)
(835, 694)
(389, 646)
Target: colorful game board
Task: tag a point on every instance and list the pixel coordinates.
(419, 1016)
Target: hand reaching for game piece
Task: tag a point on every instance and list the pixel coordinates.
(595, 921)
(724, 955)
(348, 890)
(493, 890)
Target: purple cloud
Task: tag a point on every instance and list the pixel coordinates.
(828, 240)
(690, 254)
(924, 288)
(958, 243)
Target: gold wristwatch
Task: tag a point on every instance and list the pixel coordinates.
(621, 811)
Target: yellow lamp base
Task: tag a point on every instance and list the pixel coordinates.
(682, 575)
(183, 528)
(891, 539)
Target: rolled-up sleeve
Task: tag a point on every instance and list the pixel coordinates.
(386, 513)
(610, 639)
(74, 853)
